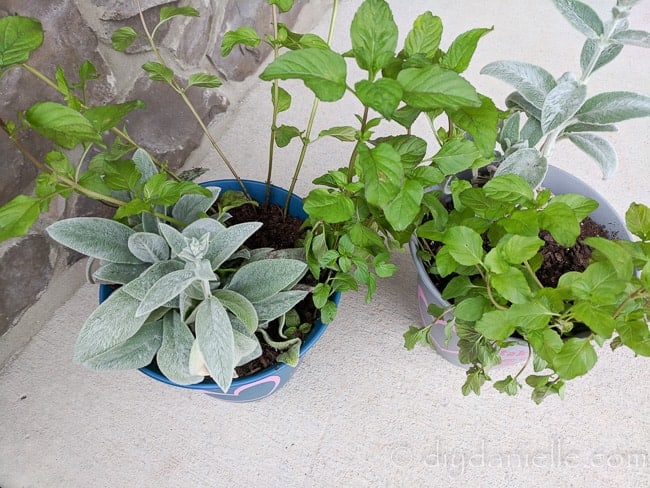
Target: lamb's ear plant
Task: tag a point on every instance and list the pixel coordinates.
(562, 108)
(192, 298)
(482, 243)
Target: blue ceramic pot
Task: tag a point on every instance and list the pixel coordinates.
(267, 381)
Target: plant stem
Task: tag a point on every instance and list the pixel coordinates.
(276, 108)
(530, 354)
(306, 139)
(632, 296)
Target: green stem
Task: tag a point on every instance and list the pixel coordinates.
(530, 354)
(632, 296)
(307, 137)
(276, 108)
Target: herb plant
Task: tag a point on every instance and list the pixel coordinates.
(481, 239)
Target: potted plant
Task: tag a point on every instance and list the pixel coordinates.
(236, 302)
(514, 252)
(362, 214)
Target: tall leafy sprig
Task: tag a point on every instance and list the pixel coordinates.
(560, 108)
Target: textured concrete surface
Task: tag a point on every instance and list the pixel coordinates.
(360, 410)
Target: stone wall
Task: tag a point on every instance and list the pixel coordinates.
(78, 30)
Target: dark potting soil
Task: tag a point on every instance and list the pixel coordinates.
(278, 231)
(559, 259)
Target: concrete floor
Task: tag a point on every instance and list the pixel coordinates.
(360, 409)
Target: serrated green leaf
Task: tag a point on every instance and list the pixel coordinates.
(382, 95)
(63, 125)
(383, 173)
(456, 155)
(464, 244)
(18, 215)
(518, 249)
(169, 12)
(345, 133)
(403, 209)
(637, 220)
(532, 82)
(204, 80)
(509, 188)
(331, 206)
(285, 134)
(373, 33)
(416, 335)
(323, 71)
(432, 87)
(470, 309)
(601, 322)
(243, 35)
(509, 386)
(424, 37)
(576, 358)
(19, 36)
(158, 71)
(481, 122)
(582, 206)
(461, 50)
(105, 117)
(123, 37)
(512, 285)
(560, 220)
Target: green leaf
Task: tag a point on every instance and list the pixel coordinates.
(458, 286)
(100, 238)
(470, 309)
(581, 205)
(512, 285)
(215, 339)
(416, 335)
(283, 5)
(600, 149)
(560, 220)
(383, 173)
(456, 155)
(383, 95)
(404, 208)
(599, 283)
(432, 87)
(615, 254)
(284, 99)
(158, 71)
(545, 342)
(322, 70)
(373, 33)
(63, 125)
(344, 133)
(576, 358)
(19, 36)
(173, 358)
(277, 305)
(331, 206)
(461, 50)
(475, 379)
(243, 35)
(480, 122)
(561, 103)
(600, 321)
(612, 107)
(285, 134)
(582, 17)
(518, 248)
(204, 80)
(411, 149)
(18, 215)
(509, 386)
(167, 13)
(637, 220)
(106, 117)
(509, 188)
(532, 82)
(123, 37)
(636, 335)
(424, 37)
(464, 244)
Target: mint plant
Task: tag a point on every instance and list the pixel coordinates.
(561, 108)
(193, 298)
(490, 251)
(362, 212)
